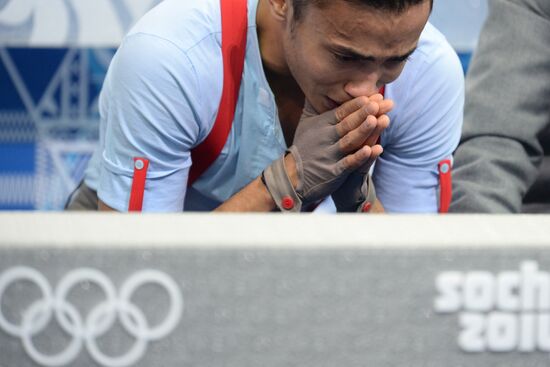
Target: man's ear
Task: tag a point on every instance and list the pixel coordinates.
(279, 9)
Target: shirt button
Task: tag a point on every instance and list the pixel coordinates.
(139, 164)
(288, 203)
(366, 207)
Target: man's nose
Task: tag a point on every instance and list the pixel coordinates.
(366, 85)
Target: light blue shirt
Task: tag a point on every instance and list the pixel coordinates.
(162, 92)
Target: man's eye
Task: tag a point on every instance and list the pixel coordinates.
(396, 63)
(345, 58)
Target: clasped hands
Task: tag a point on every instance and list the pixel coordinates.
(331, 154)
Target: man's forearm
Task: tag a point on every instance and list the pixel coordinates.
(255, 197)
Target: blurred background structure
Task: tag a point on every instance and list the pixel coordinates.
(53, 58)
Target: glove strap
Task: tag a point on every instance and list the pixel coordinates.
(280, 187)
(369, 193)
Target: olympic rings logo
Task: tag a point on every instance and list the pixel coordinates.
(99, 320)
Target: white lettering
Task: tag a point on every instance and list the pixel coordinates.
(504, 312)
(471, 338)
(535, 288)
(543, 338)
(449, 285)
(479, 291)
(502, 332)
(527, 336)
(508, 291)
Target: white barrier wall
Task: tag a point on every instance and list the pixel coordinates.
(274, 290)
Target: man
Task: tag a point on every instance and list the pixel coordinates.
(162, 93)
(507, 113)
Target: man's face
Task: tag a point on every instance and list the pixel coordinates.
(341, 51)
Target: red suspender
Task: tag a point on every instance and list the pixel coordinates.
(138, 184)
(445, 185)
(234, 32)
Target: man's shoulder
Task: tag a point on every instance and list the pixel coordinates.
(178, 42)
(432, 46)
(182, 23)
(434, 62)
(429, 93)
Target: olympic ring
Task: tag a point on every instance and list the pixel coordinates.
(62, 358)
(100, 319)
(23, 273)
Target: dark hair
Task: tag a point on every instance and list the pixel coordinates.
(394, 6)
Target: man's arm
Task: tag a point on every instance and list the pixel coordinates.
(322, 159)
(253, 198)
(151, 105)
(507, 106)
(424, 130)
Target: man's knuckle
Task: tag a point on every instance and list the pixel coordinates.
(339, 132)
(364, 99)
(344, 125)
(369, 123)
(345, 142)
(364, 113)
(348, 162)
(367, 126)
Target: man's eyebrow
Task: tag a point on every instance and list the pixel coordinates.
(402, 57)
(355, 54)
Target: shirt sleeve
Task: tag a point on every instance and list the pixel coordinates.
(152, 100)
(426, 130)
